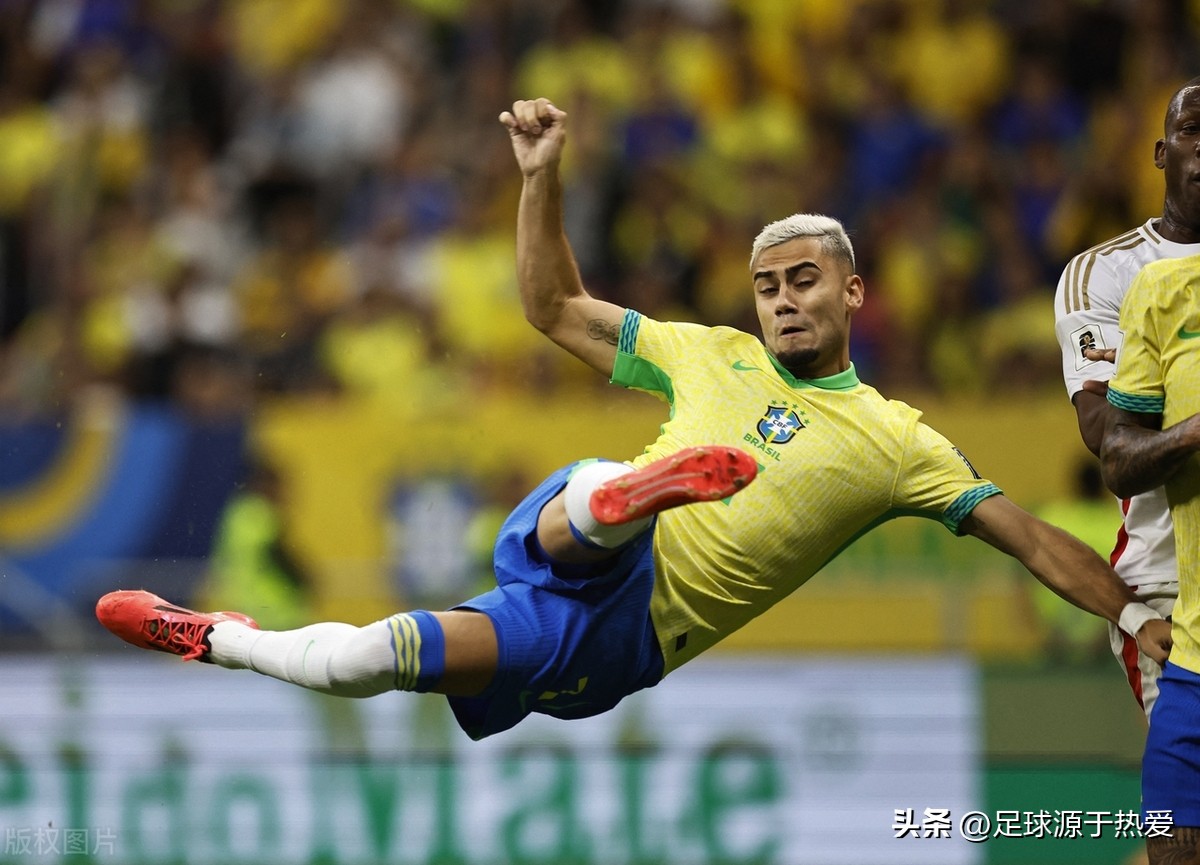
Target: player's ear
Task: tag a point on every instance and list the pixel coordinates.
(854, 291)
(1160, 153)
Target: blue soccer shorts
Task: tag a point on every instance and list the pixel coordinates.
(574, 640)
(1171, 764)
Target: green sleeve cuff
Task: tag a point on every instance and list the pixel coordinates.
(1137, 404)
(964, 504)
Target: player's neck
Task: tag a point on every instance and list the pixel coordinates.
(817, 370)
(1173, 228)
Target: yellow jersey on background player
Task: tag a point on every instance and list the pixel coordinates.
(1158, 372)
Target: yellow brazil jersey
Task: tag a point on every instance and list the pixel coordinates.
(1158, 372)
(835, 459)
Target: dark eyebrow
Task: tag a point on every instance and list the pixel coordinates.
(789, 272)
(795, 269)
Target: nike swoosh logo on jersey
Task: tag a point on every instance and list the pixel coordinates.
(1184, 333)
(740, 366)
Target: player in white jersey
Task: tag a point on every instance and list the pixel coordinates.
(1087, 305)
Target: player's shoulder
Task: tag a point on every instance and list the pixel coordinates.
(1167, 287)
(1170, 268)
(727, 334)
(1100, 275)
(1123, 242)
(886, 411)
(715, 335)
(903, 412)
(694, 329)
(695, 342)
(910, 439)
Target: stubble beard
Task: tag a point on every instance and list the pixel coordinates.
(799, 362)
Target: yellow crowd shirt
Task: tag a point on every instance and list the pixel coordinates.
(835, 459)
(1158, 372)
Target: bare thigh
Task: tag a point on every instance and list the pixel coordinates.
(472, 652)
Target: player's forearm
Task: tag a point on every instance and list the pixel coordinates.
(1093, 414)
(1069, 568)
(1134, 459)
(1062, 562)
(546, 270)
(1075, 572)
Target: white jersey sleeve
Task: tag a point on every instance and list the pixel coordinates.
(1087, 302)
(1087, 306)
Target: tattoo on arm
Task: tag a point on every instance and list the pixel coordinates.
(1138, 459)
(598, 328)
(1182, 847)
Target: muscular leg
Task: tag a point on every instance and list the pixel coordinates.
(1182, 848)
(455, 652)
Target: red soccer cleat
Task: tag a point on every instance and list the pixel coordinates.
(149, 622)
(697, 474)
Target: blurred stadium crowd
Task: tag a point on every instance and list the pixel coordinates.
(215, 201)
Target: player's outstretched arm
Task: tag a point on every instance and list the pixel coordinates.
(552, 292)
(1137, 456)
(1070, 569)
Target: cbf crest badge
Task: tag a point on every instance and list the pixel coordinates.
(779, 424)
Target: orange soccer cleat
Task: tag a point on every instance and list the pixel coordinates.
(696, 474)
(149, 622)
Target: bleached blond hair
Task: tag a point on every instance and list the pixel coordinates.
(834, 240)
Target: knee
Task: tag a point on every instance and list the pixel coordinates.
(559, 542)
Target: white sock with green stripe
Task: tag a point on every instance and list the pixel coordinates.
(404, 652)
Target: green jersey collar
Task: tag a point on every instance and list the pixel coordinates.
(845, 380)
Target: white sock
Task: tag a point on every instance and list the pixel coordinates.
(577, 500)
(330, 657)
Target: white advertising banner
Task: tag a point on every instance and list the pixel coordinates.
(796, 762)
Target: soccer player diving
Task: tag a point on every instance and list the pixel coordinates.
(611, 575)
